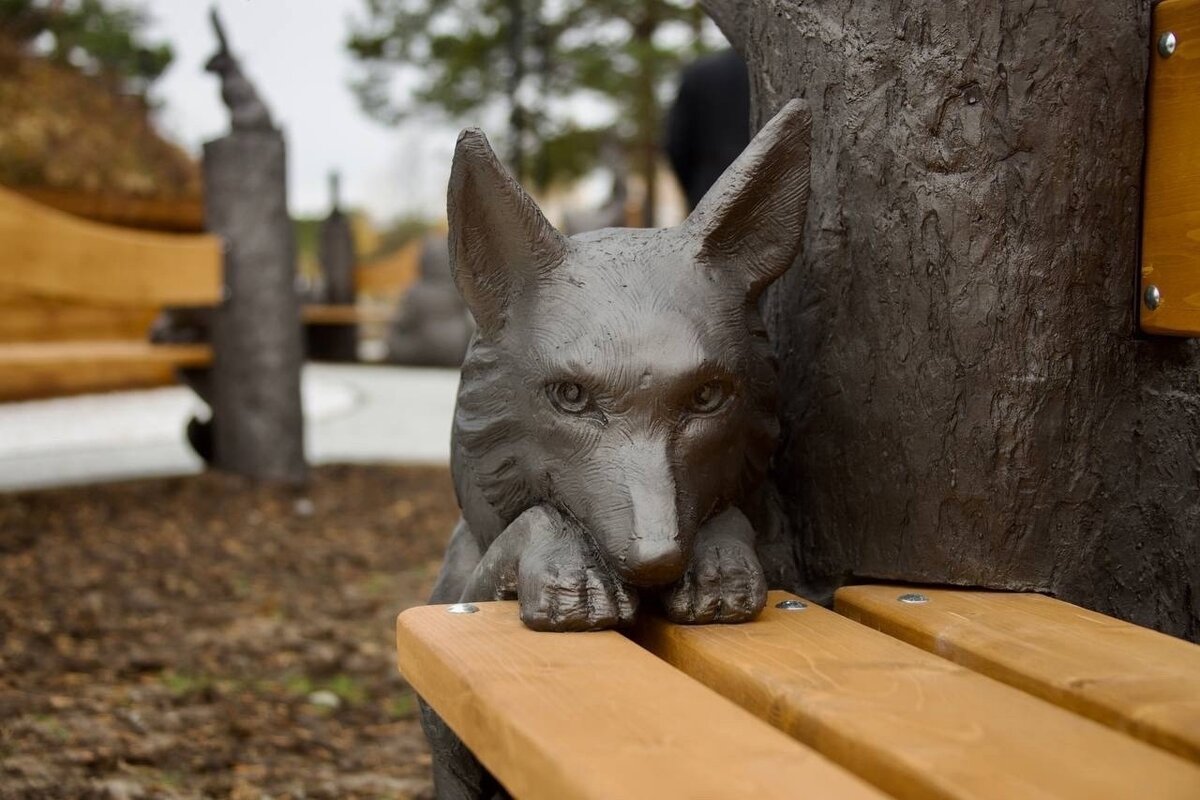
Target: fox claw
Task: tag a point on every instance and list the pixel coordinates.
(723, 584)
(563, 586)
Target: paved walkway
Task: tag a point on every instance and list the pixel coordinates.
(353, 413)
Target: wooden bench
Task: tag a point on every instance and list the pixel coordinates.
(77, 299)
(344, 314)
(936, 694)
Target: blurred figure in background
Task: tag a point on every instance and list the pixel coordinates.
(432, 326)
(709, 123)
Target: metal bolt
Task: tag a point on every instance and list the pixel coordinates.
(462, 608)
(1166, 44)
(791, 605)
(913, 598)
(1152, 297)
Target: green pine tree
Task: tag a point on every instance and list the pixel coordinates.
(539, 59)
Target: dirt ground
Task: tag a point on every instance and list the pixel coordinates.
(203, 637)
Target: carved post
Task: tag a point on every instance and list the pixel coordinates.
(335, 249)
(965, 398)
(255, 387)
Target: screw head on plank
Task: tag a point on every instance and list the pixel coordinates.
(462, 608)
(913, 598)
(791, 605)
(1153, 297)
(1166, 44)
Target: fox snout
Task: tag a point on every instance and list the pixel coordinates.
(638, 528)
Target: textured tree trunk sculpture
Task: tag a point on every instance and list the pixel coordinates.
(257, 428)
(966, 399)
(258, 424)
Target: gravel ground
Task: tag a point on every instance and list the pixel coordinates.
(205, 637)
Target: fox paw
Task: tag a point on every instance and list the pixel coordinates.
(564, 586)
(575, 598)
(723, 584)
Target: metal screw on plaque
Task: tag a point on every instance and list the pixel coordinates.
(791, 605)
(913, 598)
(1153, 297)
(462, 608)
(1166, 44)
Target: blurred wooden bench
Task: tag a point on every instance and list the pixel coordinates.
(77, 299)
(344, 314)
(940, 694)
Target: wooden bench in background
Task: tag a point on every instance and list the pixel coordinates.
(77, 299)
(964, 695)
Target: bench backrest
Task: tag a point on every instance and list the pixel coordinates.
(52, 256)
(77, 299)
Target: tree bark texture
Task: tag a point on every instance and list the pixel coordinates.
(257, 420)
(966, 399)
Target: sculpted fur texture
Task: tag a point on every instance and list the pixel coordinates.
(618, 402)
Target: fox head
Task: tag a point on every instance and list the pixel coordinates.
(624, 376)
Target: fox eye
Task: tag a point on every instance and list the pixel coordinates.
(709, 397)
(569, 397)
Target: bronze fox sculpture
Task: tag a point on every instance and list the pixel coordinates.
(618, 400)
(617, 405)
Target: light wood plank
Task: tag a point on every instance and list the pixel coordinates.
(915, 725)
(1125, 676)
(52, 369)
(177, 214)
(390, 275)
(1171, 210)
(24, 318)
(47, 253)
(319, 314)
(591, 715)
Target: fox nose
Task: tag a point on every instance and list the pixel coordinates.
(654, 562)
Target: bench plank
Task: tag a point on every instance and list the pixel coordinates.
(31, 370)
(332, 314)
(1131, 678)
(29, 318)
(592, 715)
(1171, 194)
(47, 253)
(915, 725)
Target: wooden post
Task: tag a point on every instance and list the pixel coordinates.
(335, 342)
(966, 399)
(255, 389)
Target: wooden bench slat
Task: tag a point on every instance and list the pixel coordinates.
(915, 725)
(1131, 678)
(391, 274)
(592, 715)
(31, 370)
(327, 314)
(110, 352)
(47, 253)
(28, 318)
(1171, 193)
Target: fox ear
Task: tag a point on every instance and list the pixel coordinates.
(752, 219)
(500, 242)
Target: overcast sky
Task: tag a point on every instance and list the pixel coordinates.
(294, 52)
